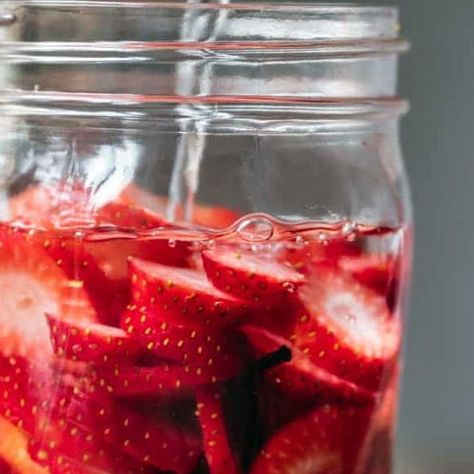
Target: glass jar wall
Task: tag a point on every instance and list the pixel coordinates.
(205, 238)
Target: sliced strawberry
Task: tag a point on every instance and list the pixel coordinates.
(377, 453)
(80, 260)
(129, 216)
(5, 468)
(47, 205)
(101, 264)
(302, 379)
(14, 450)
(375, 271)
(129, 381)
(156, 444)
(250, 277)
(69, 447)
(26, 389)
(72, 255)
(91, 342)
(32, 285)
(112, 255)
(327, 441)
(133, 195)
(346, 328)
(218, 451)
(162, 379)
(314, 251)
(214, 217)
(182, 296)
(210, 217)
(217, 354)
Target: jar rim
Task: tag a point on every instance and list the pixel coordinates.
(157, 21)
(306, 6)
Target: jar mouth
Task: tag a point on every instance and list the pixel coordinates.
(321, 7)
(152, 48)
(155, 21)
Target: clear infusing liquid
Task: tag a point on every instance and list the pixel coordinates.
(132, 344)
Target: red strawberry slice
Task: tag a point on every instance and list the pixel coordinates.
(301, 378)
(14, 451)
(373, 271)
(129, 216)
(158, 444)
(113, 255)
(214, 217)
(72, 253)
(26, 389)
(182, 296)
(217, 354)
(129, 381)
(210, 217)
(91, 342)
(162, 380)
(250, 277)
(52, 205)
(68, 447)
(312, 251)
(377, 453)
(100, 264)
(346, 328)
(327, 441)
(5, 468)
(218, 451)
(32, 284)
(133, 195)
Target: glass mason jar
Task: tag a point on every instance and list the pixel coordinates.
(205, 236)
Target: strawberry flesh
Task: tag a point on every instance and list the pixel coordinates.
(182, 296)
(161, 379)
(158, 444)
(219, 454)
(91, 342)
(346, 329)
(32, 285)
(215, 354)
(71, 448)
(210, 217)
(375, 271)
(300, 378)
(14, 451)
(325, 441)
(247, 276)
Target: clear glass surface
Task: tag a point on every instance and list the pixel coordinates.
(205, 238)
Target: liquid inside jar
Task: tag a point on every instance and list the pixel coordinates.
(131, 344)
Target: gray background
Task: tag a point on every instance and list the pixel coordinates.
(437, 418)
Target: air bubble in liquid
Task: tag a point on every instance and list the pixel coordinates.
(300, 242)
(349, 230)
(255, 230)
(172, 243)
(323, 238)
(289, 287)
